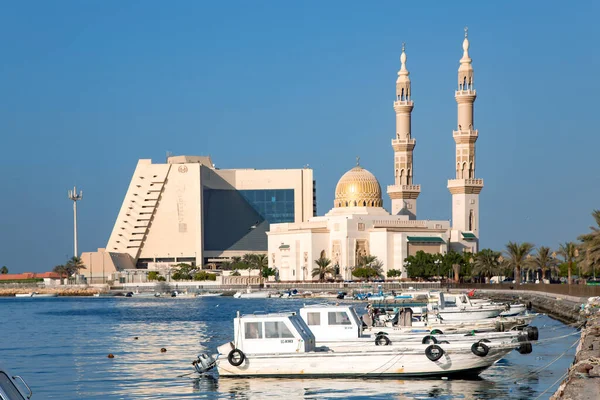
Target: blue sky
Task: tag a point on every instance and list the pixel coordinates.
(89, 87)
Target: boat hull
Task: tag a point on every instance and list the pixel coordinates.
(252, 295)
(469, 315)
(392, 363)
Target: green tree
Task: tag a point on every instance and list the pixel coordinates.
(420, 265)
(516, 257)
(262, 264)
(392, 273)
(543, 261)
(364, 272)
(74, 265)
(366, 260)
(182, 272)
(204, 276)
(152, 275)
(569, 253)
(486, 263)
(235, 272)
(455, 262)
(371, 263)
(323, 268)
(4, 270)
(267, 272)
(590, 246)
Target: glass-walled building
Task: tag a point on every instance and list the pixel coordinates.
(187, 210)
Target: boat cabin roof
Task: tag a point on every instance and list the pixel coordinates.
(282, 332)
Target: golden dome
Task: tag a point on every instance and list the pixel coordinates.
(358, 188)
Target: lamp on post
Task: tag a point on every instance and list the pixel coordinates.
(553, 263)
(528, 267)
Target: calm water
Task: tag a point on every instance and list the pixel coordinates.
(60, 347)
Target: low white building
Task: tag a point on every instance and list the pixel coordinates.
(356, 226)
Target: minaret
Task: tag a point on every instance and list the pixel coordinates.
(403, 192)
(465, 188)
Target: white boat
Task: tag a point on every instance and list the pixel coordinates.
(464, 310)
(340, 323)
(249, 294)
(36, 294)
(209, 294)
(282, 345)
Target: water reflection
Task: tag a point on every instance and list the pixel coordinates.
(261, 388)
(60, 346)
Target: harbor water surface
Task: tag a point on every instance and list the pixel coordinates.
(60, 346)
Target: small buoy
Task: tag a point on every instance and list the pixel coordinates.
(163, 350)
(111, 356)
(135, 338)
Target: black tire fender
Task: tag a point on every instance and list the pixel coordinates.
(429, 339)
(443, 342)
(532, 333)
(436, 332)
(236, 357)
(480, 349)
(525, 348)
(434, 352)
(382, 340)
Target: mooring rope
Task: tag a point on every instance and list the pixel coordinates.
(563, 376)
(537, 370)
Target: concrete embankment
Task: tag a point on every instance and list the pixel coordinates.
(10, 292)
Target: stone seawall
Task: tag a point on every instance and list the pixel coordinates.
(563, 308)
(583, 377)
(582, 380)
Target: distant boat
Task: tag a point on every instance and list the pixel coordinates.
(36, 294)
(209, 294)
(252, 295)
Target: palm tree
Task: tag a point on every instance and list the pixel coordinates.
(323, 268)
(569, 253)
(366, 260)
(486, 263)
(543, 260)
(516, 257)
(74, 265)
(261, 261)
(62, 271)
(591, 245)
(249, 260)
(4, 270)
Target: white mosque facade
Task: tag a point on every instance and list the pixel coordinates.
(359, 225)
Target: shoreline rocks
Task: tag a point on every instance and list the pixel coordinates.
(583, 377)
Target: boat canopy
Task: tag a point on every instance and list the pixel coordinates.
(330, 322)
(272, 333)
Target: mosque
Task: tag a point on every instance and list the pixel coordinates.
(358, 224)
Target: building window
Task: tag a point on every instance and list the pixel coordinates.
(361, 226)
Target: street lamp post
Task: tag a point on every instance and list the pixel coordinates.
(437, 263)
(73, 195)
(576, 254)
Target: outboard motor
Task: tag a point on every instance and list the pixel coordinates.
(204, 363)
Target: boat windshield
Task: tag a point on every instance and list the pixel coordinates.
(8, 388)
